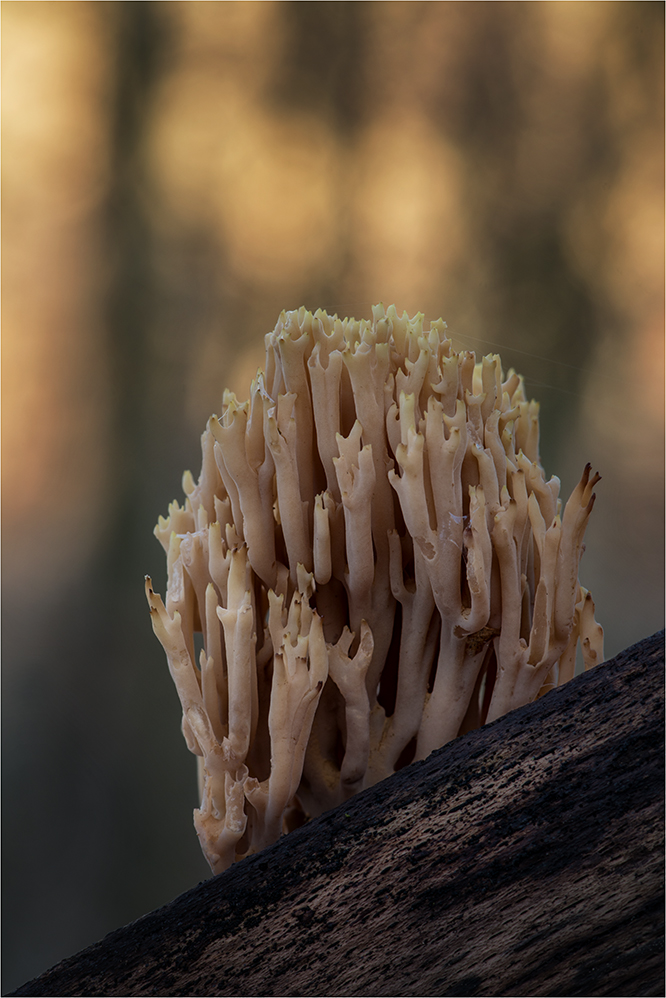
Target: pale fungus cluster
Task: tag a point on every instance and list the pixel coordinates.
(376, 563)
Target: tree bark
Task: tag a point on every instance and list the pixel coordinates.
(522, 859)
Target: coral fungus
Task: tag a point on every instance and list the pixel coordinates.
(376, 562)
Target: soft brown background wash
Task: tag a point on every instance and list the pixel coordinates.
(174, 174)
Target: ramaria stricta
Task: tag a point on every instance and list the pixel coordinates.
(376, 563)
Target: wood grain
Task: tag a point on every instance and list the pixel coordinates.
(523, 859)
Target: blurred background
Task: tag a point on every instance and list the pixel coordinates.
(175, 174)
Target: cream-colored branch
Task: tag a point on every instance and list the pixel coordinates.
(348, 673)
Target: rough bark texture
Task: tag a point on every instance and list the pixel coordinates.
(522, 859)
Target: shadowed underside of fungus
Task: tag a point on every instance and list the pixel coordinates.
(376, 563)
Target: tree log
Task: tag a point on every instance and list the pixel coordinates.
(522, 859)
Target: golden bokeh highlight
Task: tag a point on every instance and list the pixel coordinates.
(54, 176)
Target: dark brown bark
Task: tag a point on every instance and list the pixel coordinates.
(522, 859)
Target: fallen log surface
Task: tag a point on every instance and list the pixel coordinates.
(525, 858)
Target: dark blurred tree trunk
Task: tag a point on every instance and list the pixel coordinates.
(128, 670)
(140, 39)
